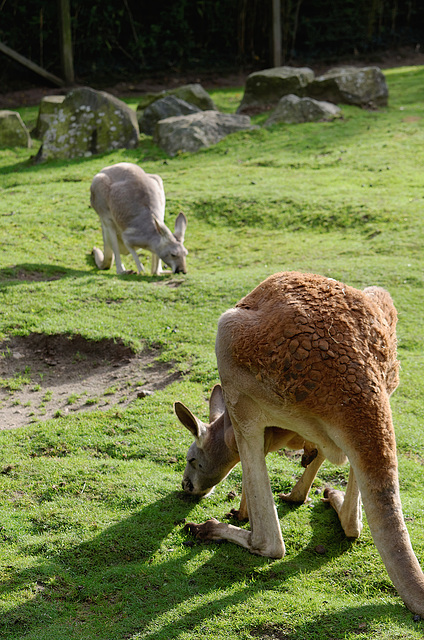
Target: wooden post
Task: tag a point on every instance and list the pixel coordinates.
(66, 54)
(276, 33)
(31, 65)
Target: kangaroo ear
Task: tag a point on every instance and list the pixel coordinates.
(161, 228)
(180, 227)
(216, 403)
(193, 424)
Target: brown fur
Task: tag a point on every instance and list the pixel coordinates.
(311, 355)
(301, 339)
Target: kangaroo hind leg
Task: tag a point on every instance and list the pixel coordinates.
(103, 259)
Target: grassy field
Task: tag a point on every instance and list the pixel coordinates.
(91, 511)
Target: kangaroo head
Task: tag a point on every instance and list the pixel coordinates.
(213, 453)
(171, 248)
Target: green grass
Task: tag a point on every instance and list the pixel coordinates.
(91, 512)
(16, 382)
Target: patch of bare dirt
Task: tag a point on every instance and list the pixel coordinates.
(43, 376)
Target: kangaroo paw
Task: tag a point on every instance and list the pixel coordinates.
(205, 531)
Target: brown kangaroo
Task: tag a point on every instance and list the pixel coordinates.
(317, 359)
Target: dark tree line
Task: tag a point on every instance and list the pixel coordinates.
(127, 37)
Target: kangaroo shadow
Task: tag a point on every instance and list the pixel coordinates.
(74, 573)
(259, 574)
(39, 272)
(335, 624)
(122, 562)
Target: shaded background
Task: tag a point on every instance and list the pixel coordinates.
(121, 39)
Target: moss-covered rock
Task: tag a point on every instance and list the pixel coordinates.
(166, 107)
(361, 86)
(46, 112)
(264, 88)
(194, 94)
(89, 122)
(199, 130)
(13, 132)
(292, 109)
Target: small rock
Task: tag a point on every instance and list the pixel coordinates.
(7, 469)
(320, 549)
(143, 393)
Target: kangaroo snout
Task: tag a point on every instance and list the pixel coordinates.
(180, 269)
(187, 485)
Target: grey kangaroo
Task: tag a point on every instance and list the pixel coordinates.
(131, 207)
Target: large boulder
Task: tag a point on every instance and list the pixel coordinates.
(13, 132)
(166, 107)
(49, 106)
(89, 122)
(191, 133)
(194, 94)
(292, 109)
(364, 87)
(264, 88)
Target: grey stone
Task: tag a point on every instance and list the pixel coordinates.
(264, 88)
(292, 109)
(46, 112)
(191, 133)
(166, 107)
(13, 132)
(364, 87)
(192, 93)
(195, 94)
(89, 122)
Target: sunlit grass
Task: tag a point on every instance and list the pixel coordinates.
(91, 510)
